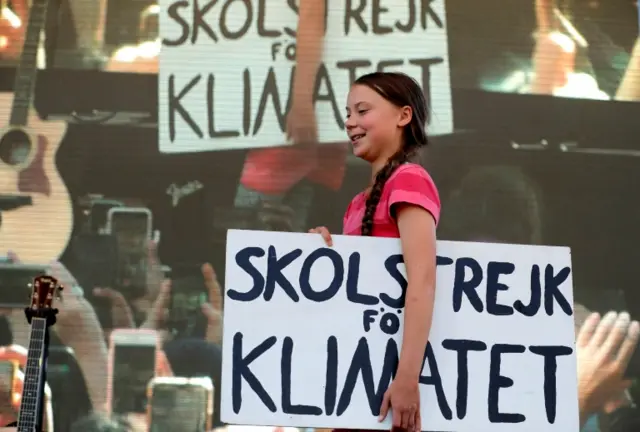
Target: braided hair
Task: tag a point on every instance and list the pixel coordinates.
(401, 90)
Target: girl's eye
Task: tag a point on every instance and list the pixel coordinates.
(362, 112)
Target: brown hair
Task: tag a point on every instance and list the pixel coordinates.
(401, 90)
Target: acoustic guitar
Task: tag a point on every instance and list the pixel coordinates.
(34, 201)
(41, 315)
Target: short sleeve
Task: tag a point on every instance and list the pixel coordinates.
(411, 184)
(345, 218)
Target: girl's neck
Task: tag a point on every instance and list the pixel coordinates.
(376, 167)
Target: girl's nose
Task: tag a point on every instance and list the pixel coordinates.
(350, 123)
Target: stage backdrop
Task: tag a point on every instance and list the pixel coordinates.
(312, 334)
(227, 86)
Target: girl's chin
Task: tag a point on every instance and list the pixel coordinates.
(359, 151)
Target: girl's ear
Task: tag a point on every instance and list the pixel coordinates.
(406, 114)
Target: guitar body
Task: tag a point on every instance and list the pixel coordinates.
(40, 231)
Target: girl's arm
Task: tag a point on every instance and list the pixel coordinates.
(418, 237)
(309, 43)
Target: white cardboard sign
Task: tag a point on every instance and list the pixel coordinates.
(226, 66)
(312, 334)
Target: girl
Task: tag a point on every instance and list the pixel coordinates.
(386, 117)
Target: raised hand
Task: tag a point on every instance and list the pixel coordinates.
(213, 309)
(604, 348)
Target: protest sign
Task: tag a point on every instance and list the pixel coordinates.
(312, 334)
(226, 67)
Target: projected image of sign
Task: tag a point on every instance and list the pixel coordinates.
(226, 74)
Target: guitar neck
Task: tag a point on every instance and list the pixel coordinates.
(28, 66)
(31, 406)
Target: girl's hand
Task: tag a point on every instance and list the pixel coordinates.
(302, 128)
(403, 397)
(324, 232)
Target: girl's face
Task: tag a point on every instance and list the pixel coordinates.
(374, 125)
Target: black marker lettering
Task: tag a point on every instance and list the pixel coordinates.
(390, 323)
(368, 317)
(294, 7)
(285, 367)
(376, 10)
(352, 284)
(243, 260)
(263, 32)
(425, 65)
(173, 12)
(467, 287)
(269, 91)
(443, 261)
(213, 133)
(175, 105)
(355, 15)
(494, 271)
(552, 282)
(275, 266)
(199, 21)
(391, 265)
(535, 299)
(290, 52)
(497, 382)
(361, 366)
(240, 370)
(323, 78)
(305, 275)
(462, 347)
(411, 21)
(246, 111)
(331, 381)
(290, 100)
(436, 381)
(427, 11)
(550, 354)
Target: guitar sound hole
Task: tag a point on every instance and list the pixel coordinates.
(15, 147)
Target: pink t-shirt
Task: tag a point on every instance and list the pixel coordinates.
(410, 184)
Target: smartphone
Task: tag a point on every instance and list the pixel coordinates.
(188, 293)
(15, 284)
(180, 404)
(131, 227)
(98, 214)
(93, 259)
(132, 365)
